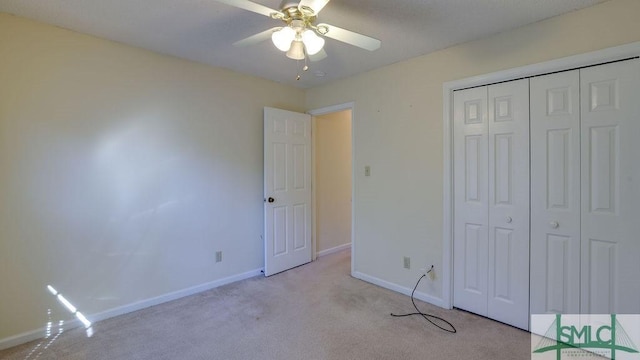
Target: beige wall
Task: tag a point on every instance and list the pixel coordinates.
(398, 131)
(333, 180)
(122, 172)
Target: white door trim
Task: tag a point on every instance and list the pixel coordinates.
(567, 63)
(322, 111)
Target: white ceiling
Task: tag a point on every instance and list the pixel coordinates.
(204, 30)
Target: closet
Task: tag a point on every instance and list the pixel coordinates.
(491, 194)
(585, 193)
(546, 190)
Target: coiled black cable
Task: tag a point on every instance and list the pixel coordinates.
(424, 315)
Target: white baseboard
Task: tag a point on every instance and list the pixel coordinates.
(121, 310)
(334, 249)
(21, 338)
(401, 289)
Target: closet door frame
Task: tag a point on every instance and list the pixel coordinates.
(592, 58)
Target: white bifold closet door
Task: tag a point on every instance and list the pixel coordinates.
(610, 182)
(585, 189)
(491, 201)
(471, 200)
(555, 193)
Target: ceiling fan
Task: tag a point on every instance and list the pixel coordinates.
(300, 37)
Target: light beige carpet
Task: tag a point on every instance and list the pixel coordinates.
(317, 311)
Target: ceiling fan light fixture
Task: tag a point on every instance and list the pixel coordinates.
(296, 52)
(312, 42)
(282, 38)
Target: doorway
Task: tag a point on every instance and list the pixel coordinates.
(332, 150)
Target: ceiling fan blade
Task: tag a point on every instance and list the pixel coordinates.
(318, 56)
(315, 5)
(257, 38)
(251, 6)
(351, 38)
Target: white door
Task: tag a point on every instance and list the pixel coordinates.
(508, 263)
(471, 205)
(555, 193)
(287, 190)
(491, 201)
(611, 188)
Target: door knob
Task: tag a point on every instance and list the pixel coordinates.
(554, 224)
(509, 219)
(271, 200)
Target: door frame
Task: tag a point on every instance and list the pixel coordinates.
(315, 113)
(567, 63)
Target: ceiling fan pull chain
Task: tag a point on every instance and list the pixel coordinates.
(304, 68)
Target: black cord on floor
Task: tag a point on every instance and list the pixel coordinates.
(427, 316)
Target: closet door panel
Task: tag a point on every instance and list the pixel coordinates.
(470, 200)
(555, 193)
(610, 138)
(508, 263)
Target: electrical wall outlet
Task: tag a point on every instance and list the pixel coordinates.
(429, 271)
(407, 262)
(218, 256)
